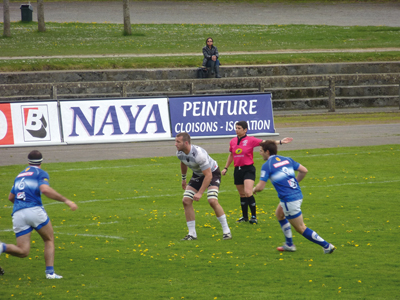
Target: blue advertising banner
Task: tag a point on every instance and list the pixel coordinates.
(216, 115)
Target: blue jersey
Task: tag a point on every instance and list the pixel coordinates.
(280, 170)
(26, 188)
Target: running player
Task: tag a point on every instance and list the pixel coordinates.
(28, 212)
(281, 171)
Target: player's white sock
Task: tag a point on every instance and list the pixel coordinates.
(192, 228)
(224, 224)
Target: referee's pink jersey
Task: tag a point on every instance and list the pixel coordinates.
(243, 153)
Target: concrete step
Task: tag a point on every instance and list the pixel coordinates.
(190, 73)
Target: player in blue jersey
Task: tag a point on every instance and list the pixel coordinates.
(281, 171)
(28, 212)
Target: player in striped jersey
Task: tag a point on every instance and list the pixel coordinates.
(206, 176)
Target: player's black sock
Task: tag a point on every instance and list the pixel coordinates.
(252, 204)
(245, 211)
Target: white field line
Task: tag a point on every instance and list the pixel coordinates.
(92, 235)
(163, 164)
(221, 191)
(114, 167)
(169, 195)
(257, 158)
(81, 234)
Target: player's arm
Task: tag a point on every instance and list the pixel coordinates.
(228, 163)
(11, 197)
(259, 187)
(53, 194)
(302, 172)
(206, 182)
(183, 172)
(285, 140)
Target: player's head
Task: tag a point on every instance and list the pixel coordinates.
(268, 148)
(241, 128)
(185, 136)
(35, 158)
(182, 141)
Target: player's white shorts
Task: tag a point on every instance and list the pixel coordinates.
(27, 219)
(292, 209)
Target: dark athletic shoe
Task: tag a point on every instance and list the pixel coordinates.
(253, 220)
(189, 238)
(241, 220)
(227, 236)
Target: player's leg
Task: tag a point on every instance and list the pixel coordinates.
(212, 197)
(286, 229)
(239, 183)
(251, 202)
(189, 212)
(21, 249)
(47, 234)
(23, 232)
(243, 203)
(310, 234)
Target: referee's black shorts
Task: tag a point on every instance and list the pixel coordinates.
(242, 173)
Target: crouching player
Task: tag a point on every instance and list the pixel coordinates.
(206, 176)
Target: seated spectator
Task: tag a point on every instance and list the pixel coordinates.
(210, 60)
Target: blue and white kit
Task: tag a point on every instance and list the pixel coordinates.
(280, 170)
(28, 211)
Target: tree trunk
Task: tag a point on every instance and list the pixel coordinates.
(7, 24)
(40, 16)
(127, 18)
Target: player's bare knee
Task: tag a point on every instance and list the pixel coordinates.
(213, 202)
(280, 215)
(23, 253)
(248, 194)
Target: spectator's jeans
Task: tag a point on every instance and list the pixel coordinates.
(209, 63)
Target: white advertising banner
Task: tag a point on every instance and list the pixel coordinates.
(115, 120)
(29, 124)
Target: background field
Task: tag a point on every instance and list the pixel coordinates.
(97, 45)
(124, 241)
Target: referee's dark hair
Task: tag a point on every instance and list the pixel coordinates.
(243, 124)
(270, 146)
(185, 136)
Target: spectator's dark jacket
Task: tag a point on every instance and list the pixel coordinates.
(208, 53)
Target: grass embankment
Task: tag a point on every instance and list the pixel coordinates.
(336, 119)
(76, 39)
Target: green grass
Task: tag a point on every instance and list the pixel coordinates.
(101, 39)
(239, 1)
(124, 240)
(340, 119)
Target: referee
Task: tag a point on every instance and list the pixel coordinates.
(241, 153)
